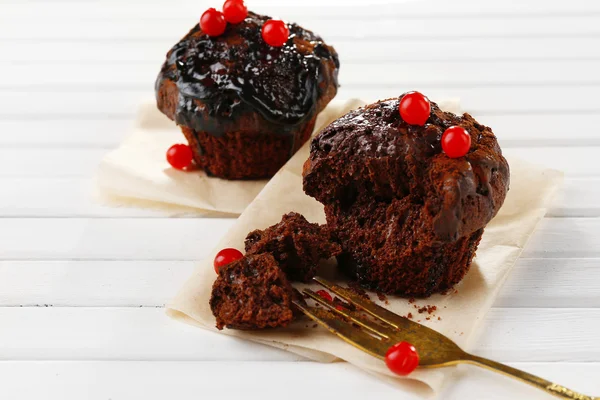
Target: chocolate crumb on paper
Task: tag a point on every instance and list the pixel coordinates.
(382, 297)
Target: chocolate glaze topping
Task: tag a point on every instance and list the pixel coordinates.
(386, 158)
(238, 72)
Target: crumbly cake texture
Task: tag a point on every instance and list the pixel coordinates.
(408, 217)
(296, 244)
(246, 107)
(252, 293)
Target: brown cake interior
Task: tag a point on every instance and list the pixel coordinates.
(252, 293)
(296, 244)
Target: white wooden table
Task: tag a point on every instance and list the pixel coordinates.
(82, 287)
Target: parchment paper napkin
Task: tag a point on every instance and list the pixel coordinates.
(137, 173)
(530, 192)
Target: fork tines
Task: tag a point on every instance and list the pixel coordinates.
(375, 338)
(376, 311)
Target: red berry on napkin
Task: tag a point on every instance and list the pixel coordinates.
(324, 294)
(402, 358)
(275, 33)
(213, 22)
(456, 142)
(226, 256)
(415, 108)
(235, 11)
(180, 156)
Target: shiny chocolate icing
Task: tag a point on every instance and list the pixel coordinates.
(219, 79)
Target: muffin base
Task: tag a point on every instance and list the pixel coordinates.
(245, 155)
(427, 270)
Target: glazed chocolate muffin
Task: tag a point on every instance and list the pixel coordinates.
(296, 244)
(409, 218)
(246, 107)
(252, 293)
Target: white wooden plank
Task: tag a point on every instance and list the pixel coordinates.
(83, 162)
(43, 333)
(63, 133)
(46, 333)
(101, 51)
(16, 104)
(91, 283)
(476, 100)
(62, 197)
(332, 29)
(123, 239)
(80, 333)
(156, 10)
(102, 119)
(538, 282)
(56, 162)
(73, 197)
(100, 130)
(541, 333)
(574, 161)
(417, 74)
(565, 238)
(555, 283)
(536, 130)
(577, 198)
(472, 382)
(193, 238)
(75, 380)
(188, 380)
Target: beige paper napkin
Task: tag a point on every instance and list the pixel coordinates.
(461, 312)
(137, 173)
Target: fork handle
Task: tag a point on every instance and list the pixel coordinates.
(547, 386)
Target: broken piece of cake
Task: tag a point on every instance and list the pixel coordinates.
(296, 244)
(254, 292)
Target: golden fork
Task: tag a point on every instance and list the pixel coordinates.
(435, 350)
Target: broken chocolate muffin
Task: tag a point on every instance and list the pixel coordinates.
(252, 293)
(296, 244)
(408, 216)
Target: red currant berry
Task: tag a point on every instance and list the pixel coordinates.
(226, 256)
(213, 22)
(235, 11)
(180, 156)
(275, 33)
(402, 358)
(415, 108)
(324, 294)
(456, 142)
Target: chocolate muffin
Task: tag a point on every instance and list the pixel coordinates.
(296, 244)
(409, 218)
(246, 107)
(252, 293)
